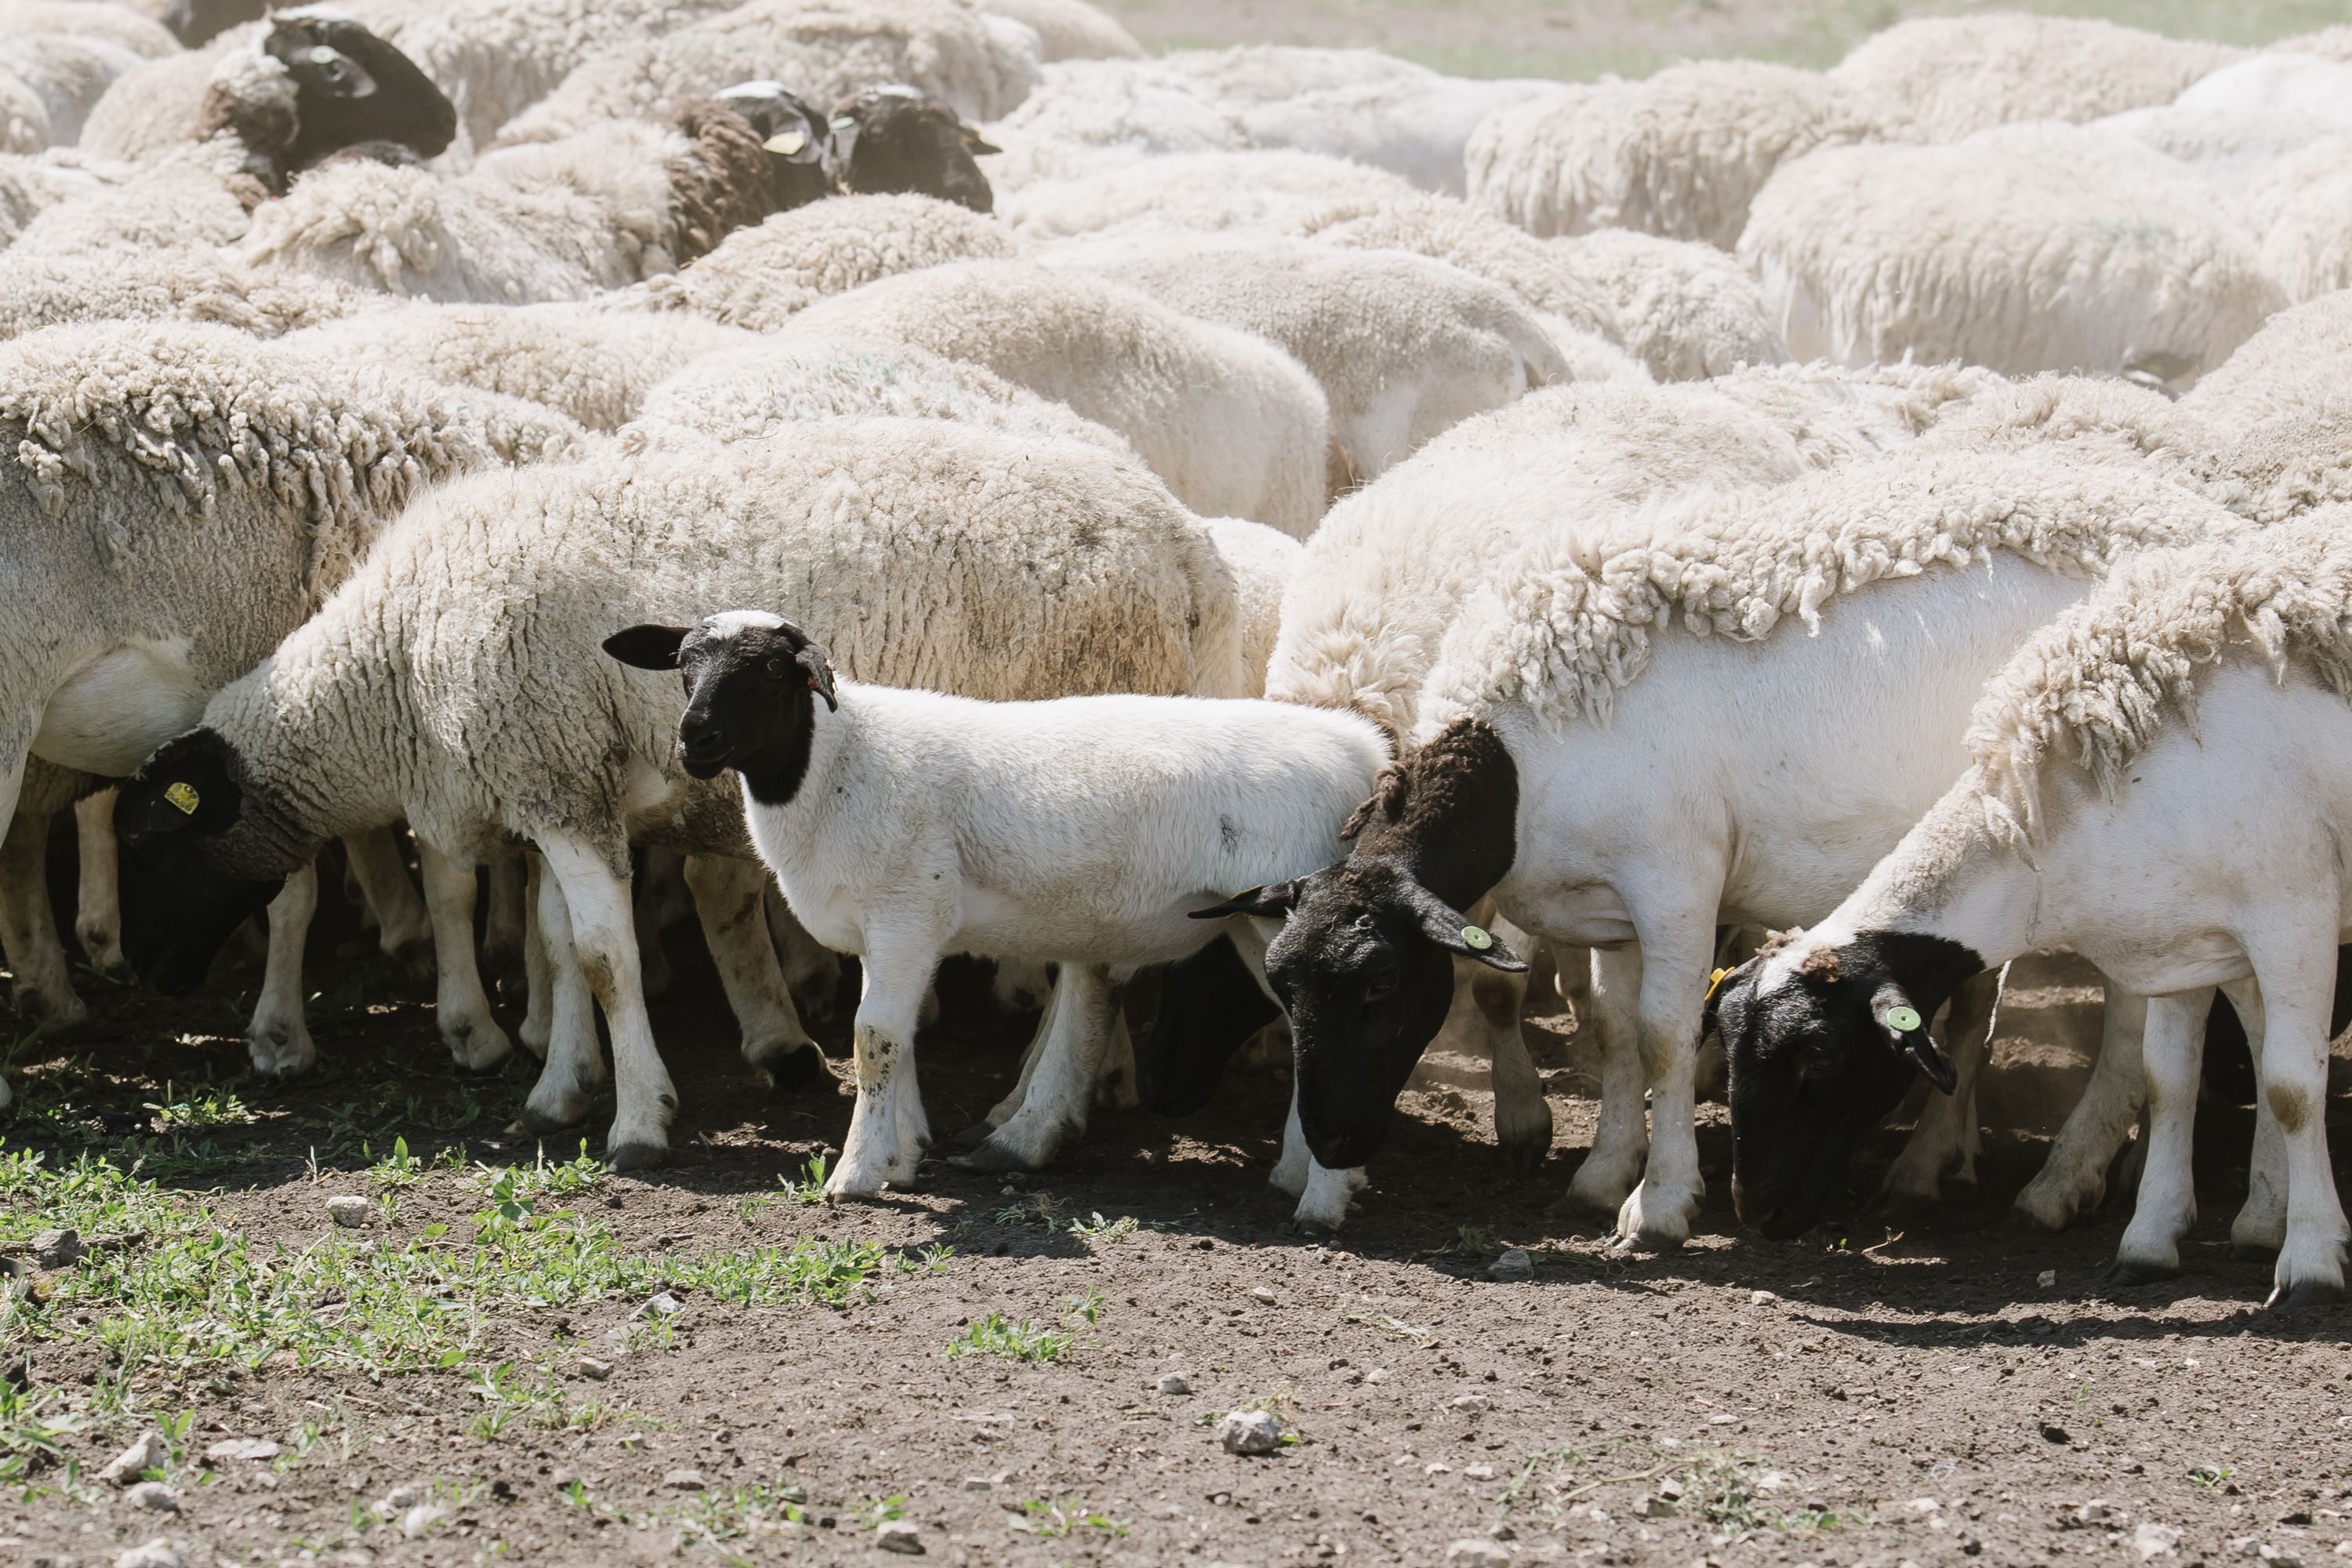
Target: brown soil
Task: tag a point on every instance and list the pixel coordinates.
(1924, 1383)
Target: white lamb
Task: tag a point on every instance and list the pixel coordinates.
(2082, 251)
(1083, 831)
(1680, 155)
(1957, 74)
(972, 561)
(1234, 426)
(2190, 719)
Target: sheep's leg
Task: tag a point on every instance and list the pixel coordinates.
(1020, 985)
(2170, 1049)
(1522, 1119)
(2259, 1231)
(1914, 1185)
(574, 1060)
(279, 1039)
(97, 919)
(812, 970)
(28, 930)
(2073, 1179)
(403, 926)
(644, 916)
(1621, 1144)
(887, 1131)
(2293, 993)
(461, 1008)
(538, 967)
(1678, 950)
(603, 933)
(504, 930)
(731, 902)
(1004, 1110)
(1053, 1113)
(1115, 1080)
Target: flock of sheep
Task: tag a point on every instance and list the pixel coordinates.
(1283, 514)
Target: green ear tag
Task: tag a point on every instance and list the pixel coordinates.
(1477, 938)
(182, 795)
(1903, 1020)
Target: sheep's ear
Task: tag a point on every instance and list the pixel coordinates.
(819, 668)
(1275, 901)
(168, 810)
(646, 647)
(976, 144)
(1441, 924)
(1718, 984)
(1907, 1030)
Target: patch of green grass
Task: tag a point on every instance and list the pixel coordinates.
(397, 1169)
(1395, 1328)
(1051, 1517)
(996, 1334)
(189, 1112)
(736, 1513)
(800, 1194)
(1099, 1230)
(2212, 1476)
(874, 1512)
(31, 1429)
(539, 1403)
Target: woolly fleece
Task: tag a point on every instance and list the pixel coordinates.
(1199, 191)
(186, 283)
(2301, 208)
(2292, 366)
(1071, 29)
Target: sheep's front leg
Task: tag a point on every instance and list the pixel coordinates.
(461, 1008)
(403, 925)
(1522, 1118)
(2074, 1178)
(1115, 1080)
(28, 932)
(730, 899)
(2172, 1049)
(603, 933)
(1323, 1192)
(279, 1039)
(1946, 1134)
(564, 1011)
(887, 1131)
(98, 918)
(506, 927)
(1657, 1214)
(2291, 993)
(1622, 1142)
(812, 970)
(1053, 1113)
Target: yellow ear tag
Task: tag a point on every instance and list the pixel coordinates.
(183, 796)
(786, 142)
(1476, 939)
(1244, 893)
(1714, 979)
(1903, 1020)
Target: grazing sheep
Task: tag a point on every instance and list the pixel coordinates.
(1089, 116)
(1405, 346)
(1594, 769)
(1081, 831)
(974, 561)
(1681, 154)
(1195, 190)
(761, 276)
(978, 65)
(2299, 207)
(2190, 716)
(1959, 75)
(1234, 426)
(2082, 251)
(894, 140)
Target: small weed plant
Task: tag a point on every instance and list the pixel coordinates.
(1052, 1517)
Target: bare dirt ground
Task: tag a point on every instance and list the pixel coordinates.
(487, 1370)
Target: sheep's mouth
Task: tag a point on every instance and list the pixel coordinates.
(1776, 1215)
(705, 760)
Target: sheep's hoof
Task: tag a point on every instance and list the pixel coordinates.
(2025, 1221)
(973, 1136)
(791, 1070)
(992, 1158)
(2122, 1275)
(636, 1156)
(417, 960)
(2310, 1293)
(2252, 1251)
(1315, 1229)
(1525, 1156)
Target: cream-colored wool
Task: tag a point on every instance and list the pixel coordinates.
(41, 287)
(750, 392)
(2302, 209)
(1838, 416)
(978, 65)
(1476, 242)
(24, 117)
(1234, 425)
(561, 220)
(2328, 43)
(1405, 346)
(2094, 688)
(117, 25)
(761, 277)
(182, 197)
(2293, 364)
(1680, 155)
(1262, 562)
(1388, 570)
(31, 185)
(2229, 147)
(459, 677)
(1089, 116)
(2293, 464)
(1959, 75)
(1572, 620)
(153, 108)
(596, 367)
(1686, 310)
(67, 75)
(1195, 190)
(2085, 419)
(2025, 248)
(1071, 29)
(2280, 81)
(1590, 356)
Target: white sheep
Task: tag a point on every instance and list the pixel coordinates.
(1082, 831)
(980, 66)
(2292, 366)
(972, 561)
(154, 108)
(2082, 251)
(63, 56)
(2188, 717)
(2229, 148)
(1089, 116)
(1197, 191)
(1234, 426)
(1071, 29)
(2297, 207)
(1680, 155)
(1957, 74)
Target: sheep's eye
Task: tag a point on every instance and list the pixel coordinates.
(778, 670)
(1379, 985)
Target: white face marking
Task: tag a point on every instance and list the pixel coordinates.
(727, 623)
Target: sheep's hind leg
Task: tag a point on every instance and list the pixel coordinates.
(2291, 995)
(2073, 1179)
(1004, 1110)
(461, 1007)
(575, 1061)
(1622, 1142)
(1053, 1113)
(603, 933)
(404, 924)
(731, 902)
(506, 927)
(1946, 1133)
(887, 1134)
(1522, 1118)
(98, 918)
(28, 930)
(2170, 1047)
(278, 1038)
(1657, 1214)
(539, 976)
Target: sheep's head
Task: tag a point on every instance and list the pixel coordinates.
(201, 853)
(891, 139)
(315, 83)
(751, 683)
(795, 138)
(1824, 1041)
